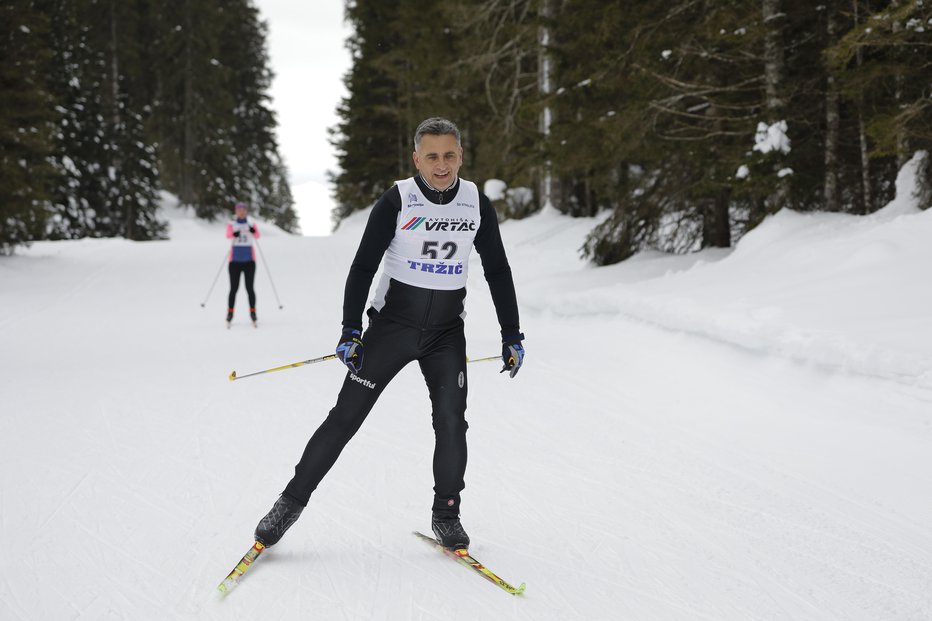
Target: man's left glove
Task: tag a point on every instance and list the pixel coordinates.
(350, 350)
(252, 230)
(512, 354)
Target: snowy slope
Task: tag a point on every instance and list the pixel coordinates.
(739, 435)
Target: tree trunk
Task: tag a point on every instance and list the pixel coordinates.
(546, 190)
(187, 158)
(716, 225)
(832, 117)
(862, 133)
(118, 132)
(902, 137)
(774, 19)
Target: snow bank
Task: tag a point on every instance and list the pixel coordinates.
(838, 291)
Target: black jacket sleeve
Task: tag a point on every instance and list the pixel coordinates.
(380, 229)
(488, 243)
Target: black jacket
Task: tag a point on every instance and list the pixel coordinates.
(417, 306)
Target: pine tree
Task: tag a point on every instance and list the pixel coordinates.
(881, 64)
(497, 93)
(26, 124)
(109, 178)
(254, 172)
(370, 139)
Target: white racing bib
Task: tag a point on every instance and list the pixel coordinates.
(245, 237)
(432, 242)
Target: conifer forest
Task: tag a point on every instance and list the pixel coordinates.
(685, 122)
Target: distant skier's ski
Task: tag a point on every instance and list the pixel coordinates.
(463, 557)
(245, 563)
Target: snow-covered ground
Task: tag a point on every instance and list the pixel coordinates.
(743, 435)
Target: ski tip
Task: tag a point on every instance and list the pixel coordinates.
(232, 375)
(226, 586)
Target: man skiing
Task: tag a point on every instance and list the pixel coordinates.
(242, 259)
(424, 227)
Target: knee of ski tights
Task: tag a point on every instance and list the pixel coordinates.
(450, 425)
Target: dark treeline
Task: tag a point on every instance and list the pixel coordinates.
(103, 103)
(649, 110)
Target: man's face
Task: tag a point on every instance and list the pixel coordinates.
(438, 159)
(240, 212)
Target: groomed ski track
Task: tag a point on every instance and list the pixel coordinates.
(634, 469)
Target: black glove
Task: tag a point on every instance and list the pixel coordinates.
(512, 354)
(350, 350)
(252, 230)
(235, 233)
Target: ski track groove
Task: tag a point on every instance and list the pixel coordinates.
(137, 562)
(16, 601)
(61, 504)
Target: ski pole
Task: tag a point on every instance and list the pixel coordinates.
(234, 376)
(468, 359)
(266, 264)
(216, 278)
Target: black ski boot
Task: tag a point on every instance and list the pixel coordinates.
(229, 315)
(252, 315)
(279, 519)
(449, 531)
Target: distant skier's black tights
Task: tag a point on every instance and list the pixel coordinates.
(249, 269)
(389, 346)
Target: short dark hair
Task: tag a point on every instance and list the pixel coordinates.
(436, 126)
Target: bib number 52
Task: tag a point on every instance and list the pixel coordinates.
(429, 249)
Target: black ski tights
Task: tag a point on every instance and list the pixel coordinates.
(249, 269)
(389, 346)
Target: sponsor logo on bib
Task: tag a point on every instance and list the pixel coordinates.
(440, 224)
(435, 268)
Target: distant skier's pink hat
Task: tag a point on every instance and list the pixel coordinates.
(240, 206)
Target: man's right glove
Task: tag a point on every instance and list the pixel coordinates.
(350, 350)
(512, 354)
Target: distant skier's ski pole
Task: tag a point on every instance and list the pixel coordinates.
(266, 264)
(234, 376)
(217, 277)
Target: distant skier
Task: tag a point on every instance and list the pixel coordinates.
(242, 259)
(424, 227)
